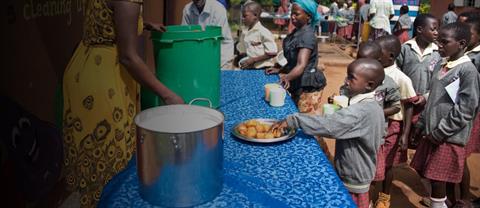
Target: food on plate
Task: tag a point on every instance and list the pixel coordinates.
(258, 130)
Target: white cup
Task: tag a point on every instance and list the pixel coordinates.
(277, 97)
(329, 109)
(341, 100)
(267, 89)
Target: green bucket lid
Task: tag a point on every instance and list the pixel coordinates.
(187, 32)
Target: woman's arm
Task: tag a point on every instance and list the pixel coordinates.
(297, 71)
(125, 15)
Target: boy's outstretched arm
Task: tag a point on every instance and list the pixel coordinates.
(346, 123)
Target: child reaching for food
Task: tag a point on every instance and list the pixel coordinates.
(257, 46)
(358, 128)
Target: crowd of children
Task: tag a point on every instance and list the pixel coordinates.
(420, 93)
(431, 104)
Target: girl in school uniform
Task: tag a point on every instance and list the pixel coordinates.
(473, 145)
(418, 57)
(448, 115)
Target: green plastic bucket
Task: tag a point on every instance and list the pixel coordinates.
(187, 61)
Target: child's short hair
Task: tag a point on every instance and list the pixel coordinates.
(421, 21)
(404, 9)
(253, 7)
(461, 31)
(369, 49)
(375, 69)
(390, 43)
(475, 24)
(451, 7)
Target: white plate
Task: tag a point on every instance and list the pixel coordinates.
(291, 133)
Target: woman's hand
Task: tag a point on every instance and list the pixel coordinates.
(173, 98)
(285, 81)
(154, 27)
(272, 70)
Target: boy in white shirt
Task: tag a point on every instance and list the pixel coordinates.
(394, 151)
(257, 46)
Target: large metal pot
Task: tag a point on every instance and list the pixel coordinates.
(180, 154)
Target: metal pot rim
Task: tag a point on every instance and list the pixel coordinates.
(151, 112)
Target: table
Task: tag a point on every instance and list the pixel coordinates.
(293, 173)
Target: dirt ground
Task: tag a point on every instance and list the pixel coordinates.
(407, 189)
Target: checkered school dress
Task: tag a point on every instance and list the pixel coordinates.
(389, 153)
(443, 162)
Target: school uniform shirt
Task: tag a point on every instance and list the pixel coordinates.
(417, 65)
(474, 55)
(213, 14)
(446, 120)
(405, 88)
(449, 17)
(258, 41)
(382, 10)
(387, 94)
(358, 129)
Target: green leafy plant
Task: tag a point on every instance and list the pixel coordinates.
(424, 7)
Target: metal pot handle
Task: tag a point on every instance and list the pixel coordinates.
(201, 99)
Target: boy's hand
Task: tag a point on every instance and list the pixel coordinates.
(154, 27)
(279, 126)
(420, 101)
(247, 63)
(416, 136)
(433, 140)
(403, 142)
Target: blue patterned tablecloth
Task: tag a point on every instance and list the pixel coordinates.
(293, 173)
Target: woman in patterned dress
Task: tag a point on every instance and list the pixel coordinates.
(101, 96)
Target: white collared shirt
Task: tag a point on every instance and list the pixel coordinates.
(476, 49)
(213, 14)
(454, 63)
(256, 42)
(428, 50)
(360, 97)
(405, 87)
